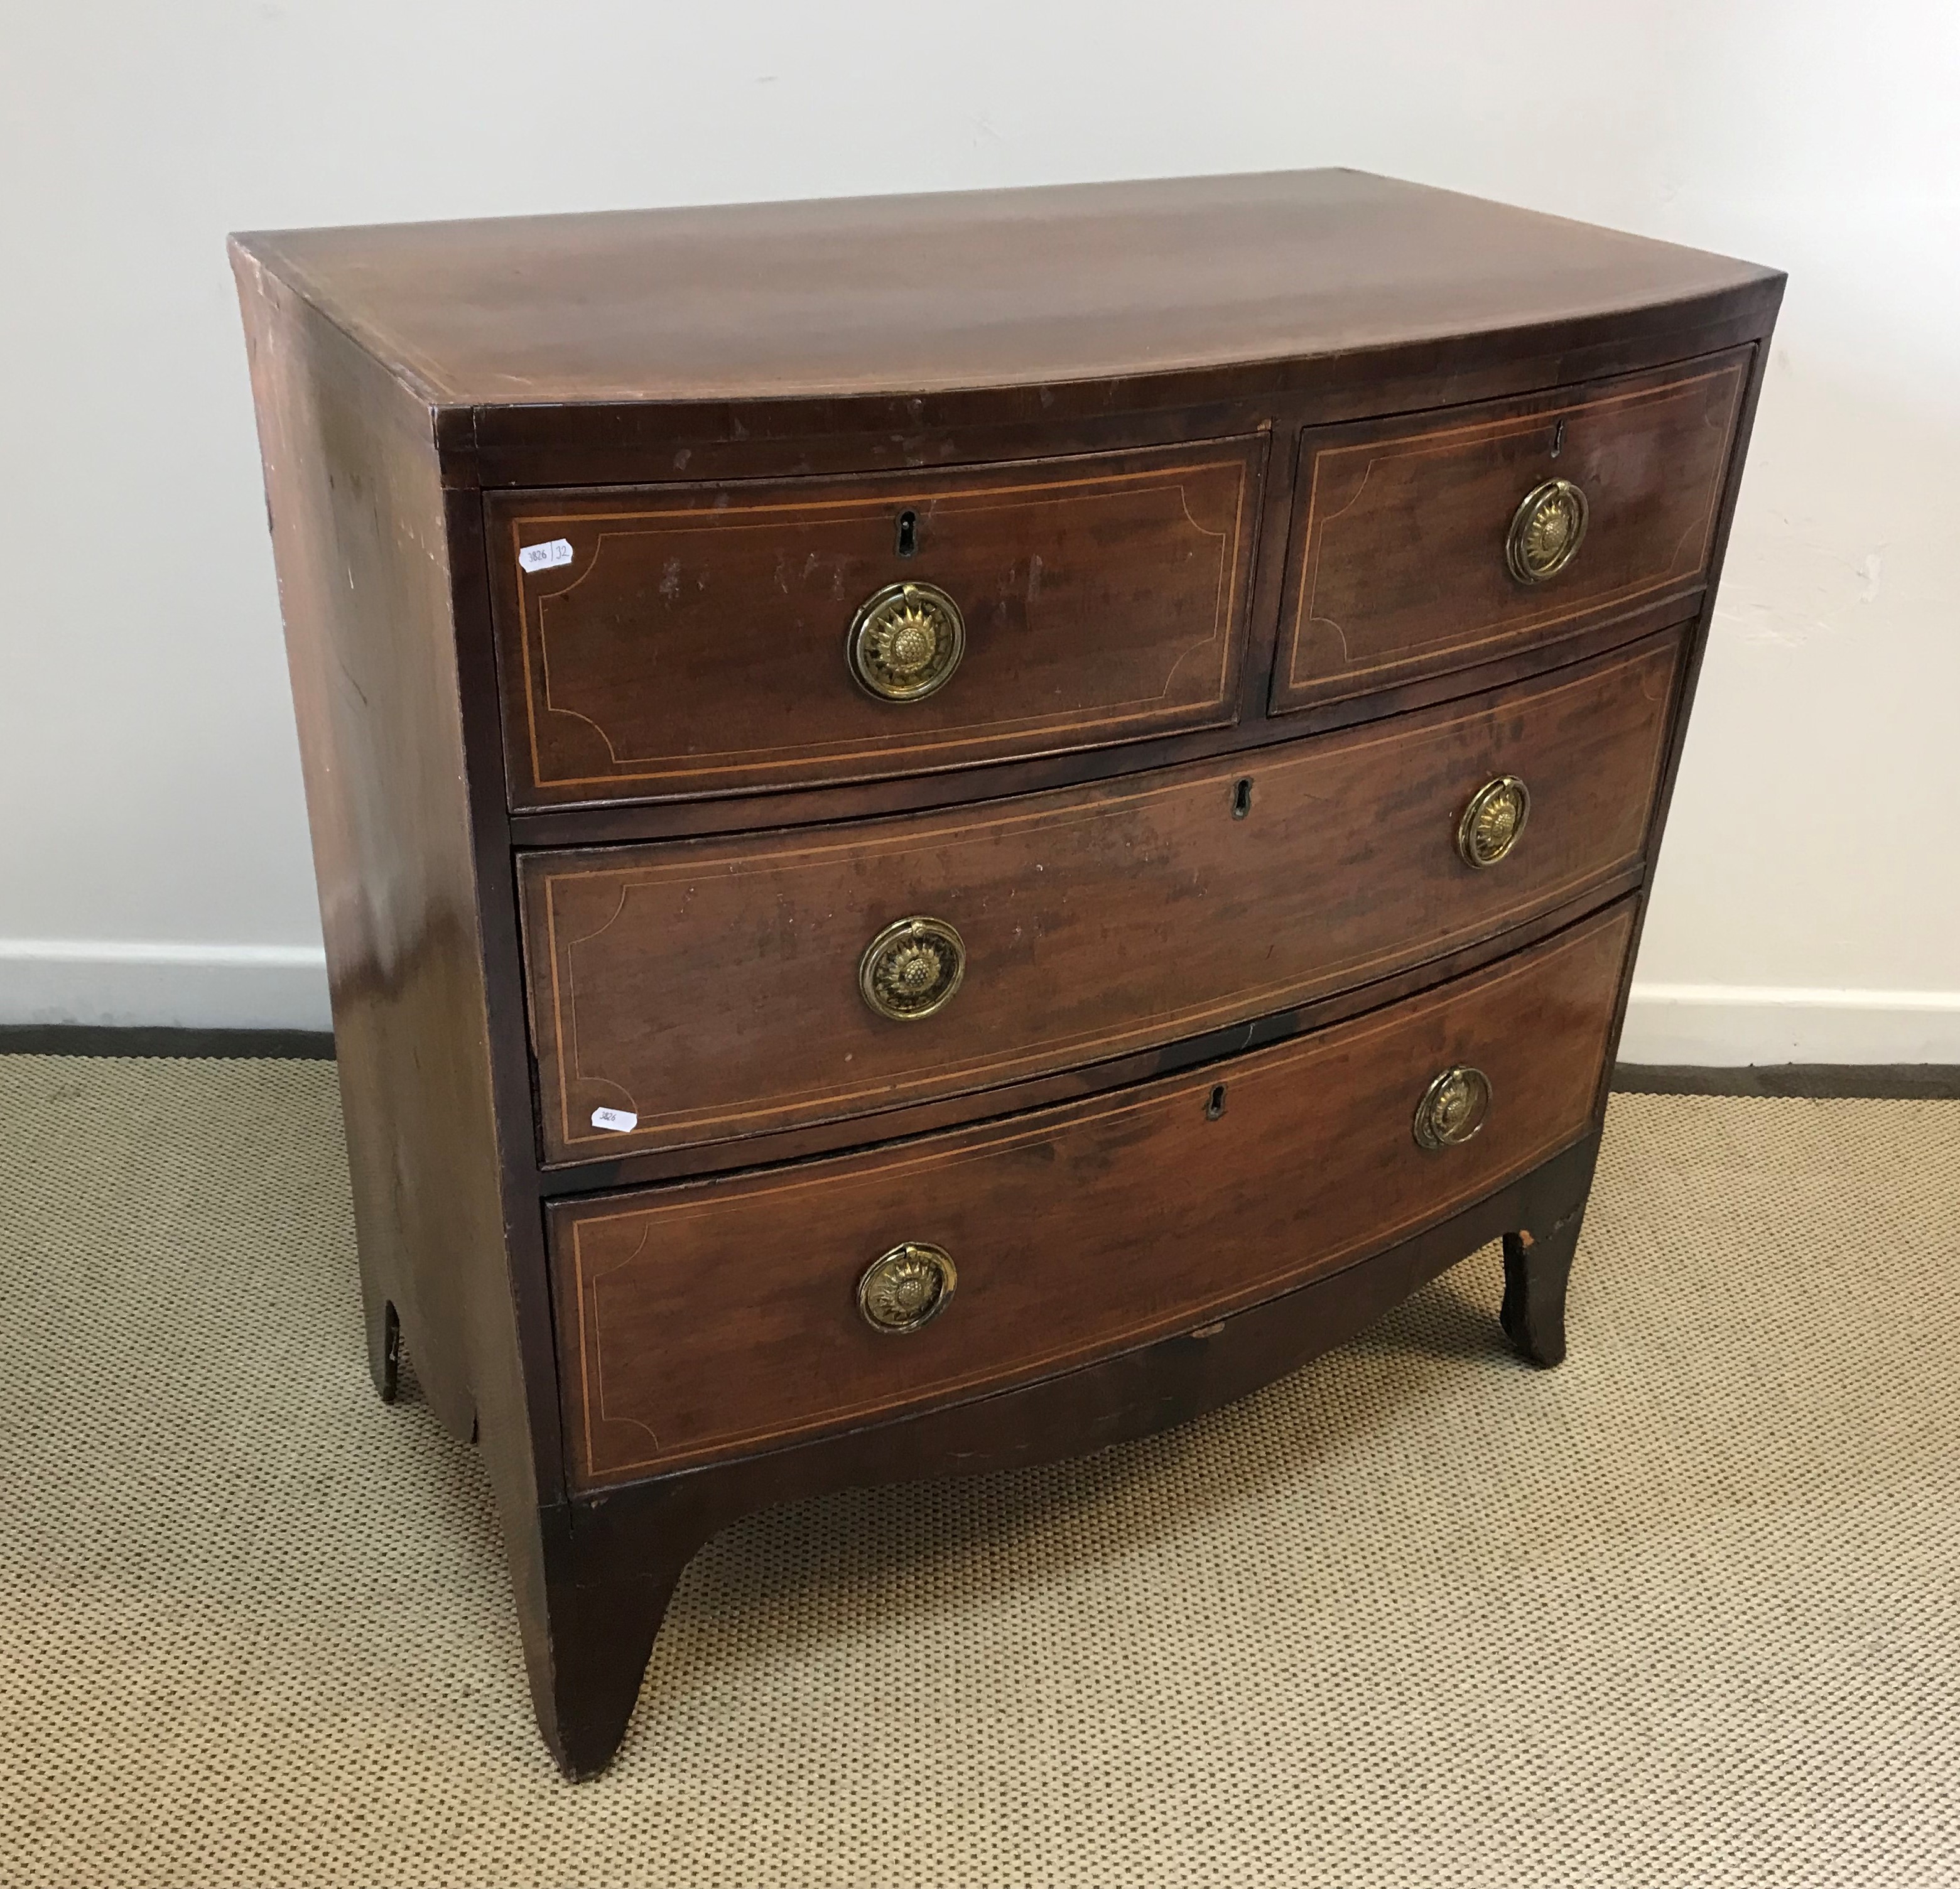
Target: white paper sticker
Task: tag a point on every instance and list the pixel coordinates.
(622, 1121)
(546, 556)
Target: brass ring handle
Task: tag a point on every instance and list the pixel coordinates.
(1547, 529)
(907, 1287)
(905, 641)
(911, 969)
(1493, 820)
(1452, 1107)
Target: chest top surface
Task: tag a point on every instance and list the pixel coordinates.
(891, 295)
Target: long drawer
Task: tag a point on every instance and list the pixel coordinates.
(691, 640)
(1430, 544)
(691, 992)
(701, 1319)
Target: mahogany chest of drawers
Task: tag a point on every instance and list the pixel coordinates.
(950, 828)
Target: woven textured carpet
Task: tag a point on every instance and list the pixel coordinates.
(1686, 1611)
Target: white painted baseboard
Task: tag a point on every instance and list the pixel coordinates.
(284, 986)
(1732, 1026)
(189, 986)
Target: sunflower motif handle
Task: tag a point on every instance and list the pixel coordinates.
(1547, 529)
(1452, 1107)
(911, 969)
(905, 642)
(907, 1287)
(1493, 820)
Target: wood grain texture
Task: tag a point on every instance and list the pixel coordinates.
(363, 533)
(694, 643)
(1084, 284)
(357, 509)
(1397, 569)
(700, 1321)
(710, 988)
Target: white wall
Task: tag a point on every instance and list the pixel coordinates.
(153, 858)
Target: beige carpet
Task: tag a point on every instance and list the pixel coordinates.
(1686, 1612)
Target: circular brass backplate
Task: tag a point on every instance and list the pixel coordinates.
(907, 1287)
(905, 642)
(1547, 530)
(911, 969)
(1452, 1107)
(1492, 822)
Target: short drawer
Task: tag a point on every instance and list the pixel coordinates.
(1423, 545)
(697, 1320)
(713, 989)
(686, 641)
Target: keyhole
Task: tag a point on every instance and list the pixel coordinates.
(1242, 799)
(1558, 439)
(908, 534)
(1216, 1106)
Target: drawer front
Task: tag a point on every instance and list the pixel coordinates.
(714, 988)
(699, 1320)
(1405, 533)
(699, 641)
